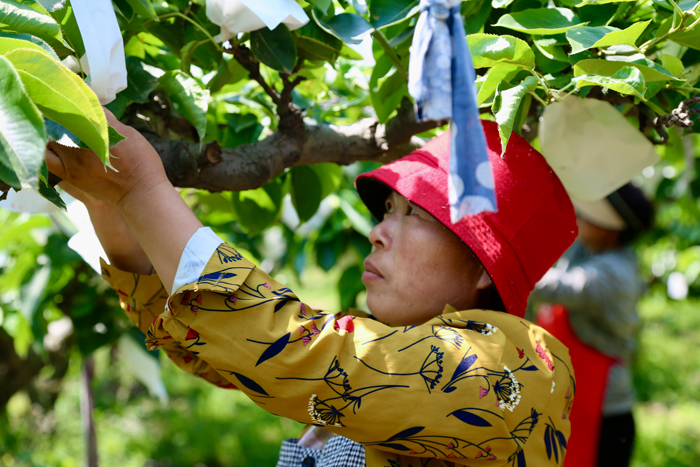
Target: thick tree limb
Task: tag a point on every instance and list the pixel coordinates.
(250, 166)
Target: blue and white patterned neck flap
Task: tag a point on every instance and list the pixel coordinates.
(441, 79)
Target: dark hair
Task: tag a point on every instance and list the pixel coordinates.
(495, 302)
(636, 210)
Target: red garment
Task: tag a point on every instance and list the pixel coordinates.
(592, 368)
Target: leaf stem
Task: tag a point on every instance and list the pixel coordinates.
(652, 42)
(541, 80)
(539, 98)
(390, 52)
(620, 9)
(195, 23)
(675, 6)
(560, 91)
(683, 89)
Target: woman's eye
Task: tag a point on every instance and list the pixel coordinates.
(411, 211)
(389, 207)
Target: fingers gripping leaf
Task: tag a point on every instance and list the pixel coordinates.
(63, 97)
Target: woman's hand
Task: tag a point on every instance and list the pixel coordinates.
(137, 167)
(155, 214)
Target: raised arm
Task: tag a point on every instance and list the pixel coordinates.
(138, 191)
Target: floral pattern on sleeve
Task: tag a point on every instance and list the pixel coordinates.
(466, 388)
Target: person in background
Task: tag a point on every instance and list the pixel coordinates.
(446, 371)
(589, 301)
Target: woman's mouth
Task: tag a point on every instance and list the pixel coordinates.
(371, 273)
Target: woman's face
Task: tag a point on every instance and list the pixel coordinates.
(417, 266)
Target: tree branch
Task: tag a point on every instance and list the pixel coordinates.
(291, 116)
(252, 165)
(679, 116)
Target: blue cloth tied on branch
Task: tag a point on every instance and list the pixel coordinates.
(441, 79)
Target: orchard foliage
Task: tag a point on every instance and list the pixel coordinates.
(643, 56)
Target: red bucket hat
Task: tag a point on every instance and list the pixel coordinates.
(534, 225)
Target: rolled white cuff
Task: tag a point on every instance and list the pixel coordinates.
(195, 257)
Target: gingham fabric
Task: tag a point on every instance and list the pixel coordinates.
(338, 452)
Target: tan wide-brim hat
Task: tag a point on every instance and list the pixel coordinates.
(592, 147)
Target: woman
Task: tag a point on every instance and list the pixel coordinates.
(446, 371)
(595, 288)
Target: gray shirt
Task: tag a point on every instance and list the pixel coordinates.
(601, 291)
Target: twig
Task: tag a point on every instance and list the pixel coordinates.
(291, 116)
(390, 53)
(193, 22)
(247, 60)
(4, 188)
(679, 116)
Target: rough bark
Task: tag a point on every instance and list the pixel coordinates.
(209, 167)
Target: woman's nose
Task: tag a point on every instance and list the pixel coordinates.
(380, 236)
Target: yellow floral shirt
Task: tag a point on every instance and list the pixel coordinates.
(468, 387)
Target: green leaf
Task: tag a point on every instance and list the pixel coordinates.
(348, 27)
(191, 95)
(143, 8)
(506, 104)
(650, 70)
(240, 129)
(490, 50)
(315, 43)
(51, 194)
(22, 19)
(275, 48)
(139, 81)
(672, 64)
(63, 97)
(550, 49)
(306, 191)
(186, 54)
(626, 36)
(600, 2)
(474, 22)
(22, 134)
(350, 54)
(627, 80)
(546, 65)
(544, 21)
(493, 78)
(357, 220)
(230, 72)
(383, 13)
(349, 285)
(122, 7)
(69, 26)
(322, 5)
(585, 37)
(330, 175)
(256, 209)
(689, 38)
(501, 3)
(7, 173)
(24, 41)
(57, 132)
(388, 97)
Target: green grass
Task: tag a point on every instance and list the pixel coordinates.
(667, 379)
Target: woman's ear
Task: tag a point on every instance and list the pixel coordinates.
(484, 281)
